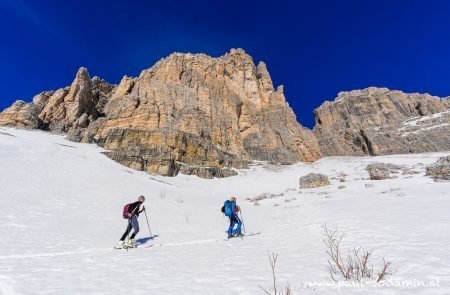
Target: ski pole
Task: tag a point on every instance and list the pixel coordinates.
(148, 224)
(242, 217)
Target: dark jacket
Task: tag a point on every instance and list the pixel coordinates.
(134, 208)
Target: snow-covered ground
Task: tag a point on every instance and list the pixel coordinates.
(61, 205)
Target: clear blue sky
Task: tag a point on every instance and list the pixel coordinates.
(314, 48)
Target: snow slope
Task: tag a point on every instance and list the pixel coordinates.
(61, 206)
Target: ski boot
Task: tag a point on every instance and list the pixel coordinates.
(131, 243)
(239, 235)
(120, 245)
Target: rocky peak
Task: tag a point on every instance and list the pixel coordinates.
(79, 100)
(189, 113)
(264, 77)
(367, 122)
(203, 96)
(238, 55)
(361, 92)
(202, 115)
(64, 109)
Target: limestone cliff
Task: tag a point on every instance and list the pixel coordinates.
(64, 109)
(195, 114)
(188, 113)
(379, 121)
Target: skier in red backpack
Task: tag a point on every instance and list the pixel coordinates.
(131, 213)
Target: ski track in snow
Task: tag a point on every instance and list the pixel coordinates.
(90, 251)
(62, 204)
(40, 255)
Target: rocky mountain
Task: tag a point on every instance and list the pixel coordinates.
(379, 121)
(195, 114)
(192, 114)
(64, 109)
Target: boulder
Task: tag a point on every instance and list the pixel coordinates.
(313, 180)
(439, 170)
(380, 171)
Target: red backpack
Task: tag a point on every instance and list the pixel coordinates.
(126, 214)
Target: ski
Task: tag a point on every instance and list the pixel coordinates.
(226, 239)
(251, 234)
(243, 236)
(124, 248)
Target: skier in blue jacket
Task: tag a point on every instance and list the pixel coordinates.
(231, 210)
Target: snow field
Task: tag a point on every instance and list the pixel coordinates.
(62, 205)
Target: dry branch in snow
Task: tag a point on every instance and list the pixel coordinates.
(356, 265)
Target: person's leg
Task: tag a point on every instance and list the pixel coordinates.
(232, 223)
(235, 221)
(135, 225)
(239, 223)
(127, 231)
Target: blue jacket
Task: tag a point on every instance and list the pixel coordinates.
(230, 207)
(233, 208)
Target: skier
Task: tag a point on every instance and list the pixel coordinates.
(231, 210)
(131, 212)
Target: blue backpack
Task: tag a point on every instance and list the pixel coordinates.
(226, 208)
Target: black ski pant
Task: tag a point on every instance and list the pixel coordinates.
(132, 224)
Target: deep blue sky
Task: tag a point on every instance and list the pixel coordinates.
(314, 48)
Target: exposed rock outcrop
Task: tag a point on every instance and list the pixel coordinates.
(63, 110)
(21, 114)
(192, 114)
(379, 121)
(380, 171)
(440, 170)
(313, 180)
(76, 106)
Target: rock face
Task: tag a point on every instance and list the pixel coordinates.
(62, 110)
(192, 114)
(313, 180)
(199, 115)
(379, 121)
(21, 114)
(440, 170)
